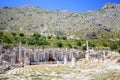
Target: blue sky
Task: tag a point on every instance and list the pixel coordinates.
(72, 5)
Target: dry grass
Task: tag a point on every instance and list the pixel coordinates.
(110, 75)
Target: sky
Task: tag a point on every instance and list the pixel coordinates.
(71, 5)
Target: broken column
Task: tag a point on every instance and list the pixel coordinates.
(65, 59)
(87, 45)
(62, 56)
(13, 57)
(45, 55)
(35, 56)
(20, 52)
(73, 60)
(87, 52)
(26, 59)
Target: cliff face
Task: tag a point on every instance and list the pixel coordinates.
(111, 6)
(93, 24)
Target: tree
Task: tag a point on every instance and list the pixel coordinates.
(21, 34)
(64, 37)
(36, 36)
(49, 37)
(59, 44)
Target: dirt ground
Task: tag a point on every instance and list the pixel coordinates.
(83, 70)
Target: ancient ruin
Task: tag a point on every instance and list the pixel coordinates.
(35, 56)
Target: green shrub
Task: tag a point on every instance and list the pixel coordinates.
(36, 35)
(59, 44)
(113, 46)
(42, 42)
(119, 50)
(118, 42)
(49, 37)
(1, 33)
(21, 34)
(14, 34)
(78, 43)
(75, 47)
(7, 39)
(92, 45)
(104, 44)
(69, 45)
(57, 37)
(64, 37)
(84, 47)
(31, 41)
(23, 41)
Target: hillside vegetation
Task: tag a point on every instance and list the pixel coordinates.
(61, 28)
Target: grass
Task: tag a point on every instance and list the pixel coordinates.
(3, 78)
(110, 75)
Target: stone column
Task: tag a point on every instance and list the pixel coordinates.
(20, 52)
(87, 52)
(71, 56)
(62, 56)
(24, 54)
(73, 60)
(87, 45)
(65, 59)
(35, 57)
(26, 59)
(55, 56)
(38, 55)
(45, 55)
(13, 57)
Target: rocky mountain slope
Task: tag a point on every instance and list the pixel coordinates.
(92, 24)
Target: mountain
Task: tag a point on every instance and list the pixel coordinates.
(89, 25)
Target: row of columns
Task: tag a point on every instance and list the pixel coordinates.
(23, 55)
(44, 56)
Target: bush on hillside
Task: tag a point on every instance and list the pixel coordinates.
(119, 50)
(42, 42)
(118, 42)
(84, 47)
(57, 37)
(113, 46)
(21, 34)
(104, 44)
(64, 37)
(69, 45)
(13, 34)
(49, 37)
(7, 39)
(78, 43)
(92, 45)
(59, 44)
(36, 36)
